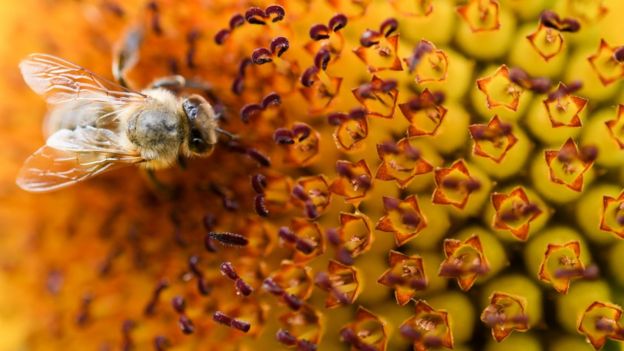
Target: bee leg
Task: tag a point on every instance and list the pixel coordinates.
(182, 162)
(126, 55)
(162, 188)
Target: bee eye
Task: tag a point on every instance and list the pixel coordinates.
(196, 142)
(190, 109)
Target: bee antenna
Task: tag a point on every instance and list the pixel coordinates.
(230, 135)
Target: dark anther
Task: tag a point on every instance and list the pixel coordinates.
(321, 59)
(368, 38)
(208, 221)
(150, 308)
(305, 246)
(365, 91)
(221, 36)
(161, 343)
(238, 85)
(83, 315)
(570, 25)
(258, 183)
(388, 85)
(551, 20)
(248, 111)
(338, 22)
(293, 302)
(344, 256)
(186, 325)
(271, 287)
(301, 131)
(286, 338)
(333, 237)
(230, 239)
(261, 56)
(193, 262)
(357, 113)
(390, 203)
(191, 39)
(540, 85)
(283, 136)
(243, 65)
(336, 118)
(319, 32)
(262, 159)
(260, 205)
(255, 15)
(618, 54)
(279, 45)
(228, 270)
(272, 99)
(275, 12)
(236, 21)
(178, 303)
(588, 153)
(389, 147)
(153, 6)
(306, 345)
(287, 235)
(308, 76)
(242, 287)
(342, 168)
(389, 26)
(299, 192)
(222, 318)
(310, 210)
(126, 328)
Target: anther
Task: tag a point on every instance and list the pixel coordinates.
(150, 308)
(261, 56)
(222, 318)
(275, 12)
(321, 59)
(222, 36)
(236, 21)
(255, 15)
(369, 38)
(258, 183)
(389, 26)
(286, 338)
(279, 45)
(260, 205)
(308, 76)
(272, 99)
(257, 156)
(83, 315)
(319, 32)
(227, 269)
(248, 111)
(338, 22)
(283, 136)
(161, 343)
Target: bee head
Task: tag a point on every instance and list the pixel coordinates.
(202, 123)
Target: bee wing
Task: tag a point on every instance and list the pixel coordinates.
(60, 82)
(71, 156)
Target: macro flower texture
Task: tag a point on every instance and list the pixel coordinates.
(390, 175)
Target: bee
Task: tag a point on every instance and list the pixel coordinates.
(95, 125)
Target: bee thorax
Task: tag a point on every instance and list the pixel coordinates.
(157, 134)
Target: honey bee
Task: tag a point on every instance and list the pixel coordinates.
(95, 126)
